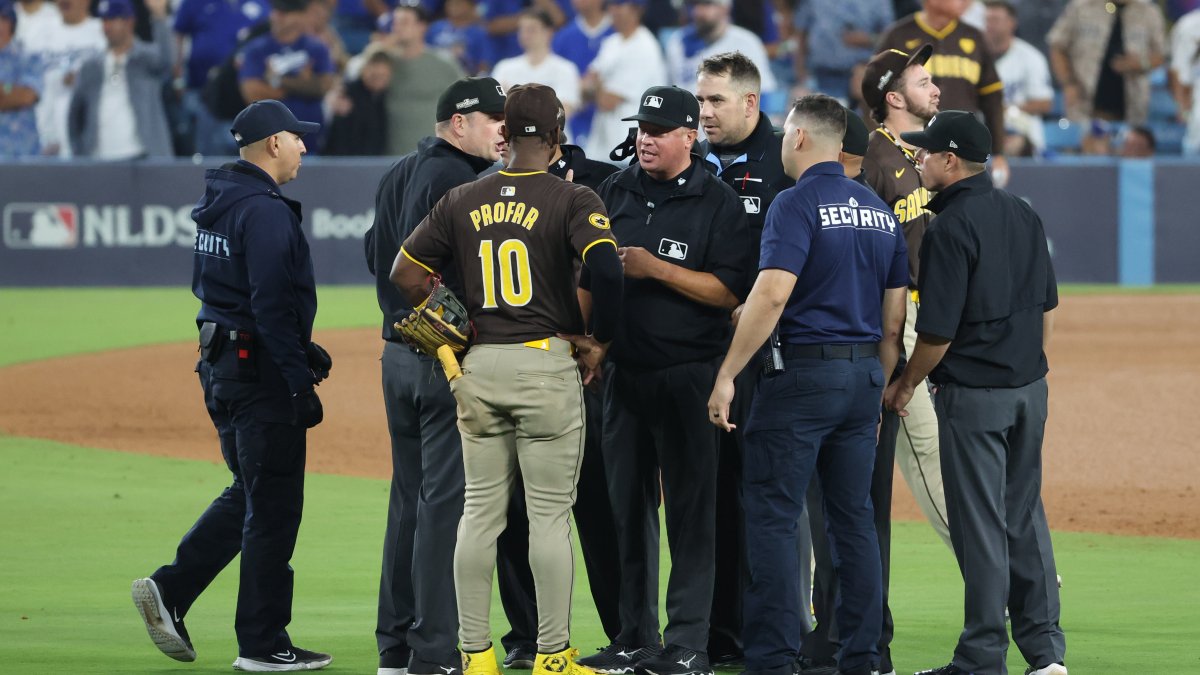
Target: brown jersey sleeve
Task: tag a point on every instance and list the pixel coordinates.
(991, 99)
(587, 223)
(431, 244)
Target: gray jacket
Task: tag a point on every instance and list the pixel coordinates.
(147, 67)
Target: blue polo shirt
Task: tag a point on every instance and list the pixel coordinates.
(844, 246)
(214, 27)
(285, 60)
(468, 44)
(576, 45)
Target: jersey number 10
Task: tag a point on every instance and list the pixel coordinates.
(516, 282)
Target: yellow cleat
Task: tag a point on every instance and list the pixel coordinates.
(480, 663)
(560, 663)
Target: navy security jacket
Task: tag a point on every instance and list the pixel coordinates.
(253, 270)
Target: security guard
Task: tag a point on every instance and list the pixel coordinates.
(254, 277)
(741, 146)
(417, 624)
(987, 298)
(833, 265)
(686, 249)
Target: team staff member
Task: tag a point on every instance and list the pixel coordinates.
(686, 249)
(962, 66)
(741, 146)
(593, 514)
(987, 299)
(417, 621)
(254, 277)
(517, 235)
(832, 265)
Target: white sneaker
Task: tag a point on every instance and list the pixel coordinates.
(166, 630)
(1052, 669)
(292, 658)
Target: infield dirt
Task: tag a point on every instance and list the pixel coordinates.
(1119, 454)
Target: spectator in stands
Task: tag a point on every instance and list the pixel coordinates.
(711, 32)
(65, 47)
(1025, 73)
(360, 123)
(630, 62)
(208, 31)
(538, 64)
(117, 108)
(35, 19)
(758, 17)
(832, 36)
(501, 18)
(1185, 55)
(353, 20)
(462, 35)
(1102, 52)
(289, 65)
(579, 42)
(1139, 143)
(20, 86)
(419, 76)
(1037, 16)
(962, 67)
(320, 26)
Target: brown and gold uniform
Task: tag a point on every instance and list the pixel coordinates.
(891, 171)
(515, 238)
(961, 65)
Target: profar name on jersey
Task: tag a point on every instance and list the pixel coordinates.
(516, 213)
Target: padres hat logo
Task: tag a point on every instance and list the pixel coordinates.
(599, 221)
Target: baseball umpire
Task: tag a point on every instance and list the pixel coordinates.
(417, 620)
(254, 277)
(988, 293)
(833, 267)
(516, 235)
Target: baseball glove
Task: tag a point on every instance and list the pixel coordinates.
(439, 327)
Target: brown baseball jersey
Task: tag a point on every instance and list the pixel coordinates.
(962, 68)
(515, 237)
(891, 171)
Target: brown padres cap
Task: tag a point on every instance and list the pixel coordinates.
(885, 68)
(531, 110)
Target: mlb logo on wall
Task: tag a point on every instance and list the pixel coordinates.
(32, 225)
(752, 204)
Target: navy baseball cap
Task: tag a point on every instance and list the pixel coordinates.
(471, 94)
(669, 107)
(114, 9)
(856, 139)
(264, 118)
(954, 131)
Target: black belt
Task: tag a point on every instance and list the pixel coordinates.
(860, 350)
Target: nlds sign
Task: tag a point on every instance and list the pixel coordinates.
(59, 226)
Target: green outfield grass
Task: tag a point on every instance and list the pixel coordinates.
(78, 524)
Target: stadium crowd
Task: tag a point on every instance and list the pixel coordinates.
(167, 76)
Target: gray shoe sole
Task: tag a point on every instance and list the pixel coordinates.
(253, 666)
(149, 604)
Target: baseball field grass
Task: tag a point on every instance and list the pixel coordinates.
(78, 524)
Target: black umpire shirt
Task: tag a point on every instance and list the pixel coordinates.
(408, 191)
(986, 281)
(755, 172)
(587, 172)
(697, 223)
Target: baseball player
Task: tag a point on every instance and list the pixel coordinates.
(515, 236)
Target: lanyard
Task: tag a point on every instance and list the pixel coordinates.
(912, 159)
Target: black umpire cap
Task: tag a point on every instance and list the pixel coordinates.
(954, 131)
(471, 94)
(264, 118)
(669, 107)
(857, 138)
(884, 70)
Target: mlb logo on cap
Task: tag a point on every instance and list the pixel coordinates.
(668, 107)
(653, 101)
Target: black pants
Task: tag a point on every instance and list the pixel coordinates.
(258, 515)
(822, 644)
(597, 539)
(656, 421)
(417, 607)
